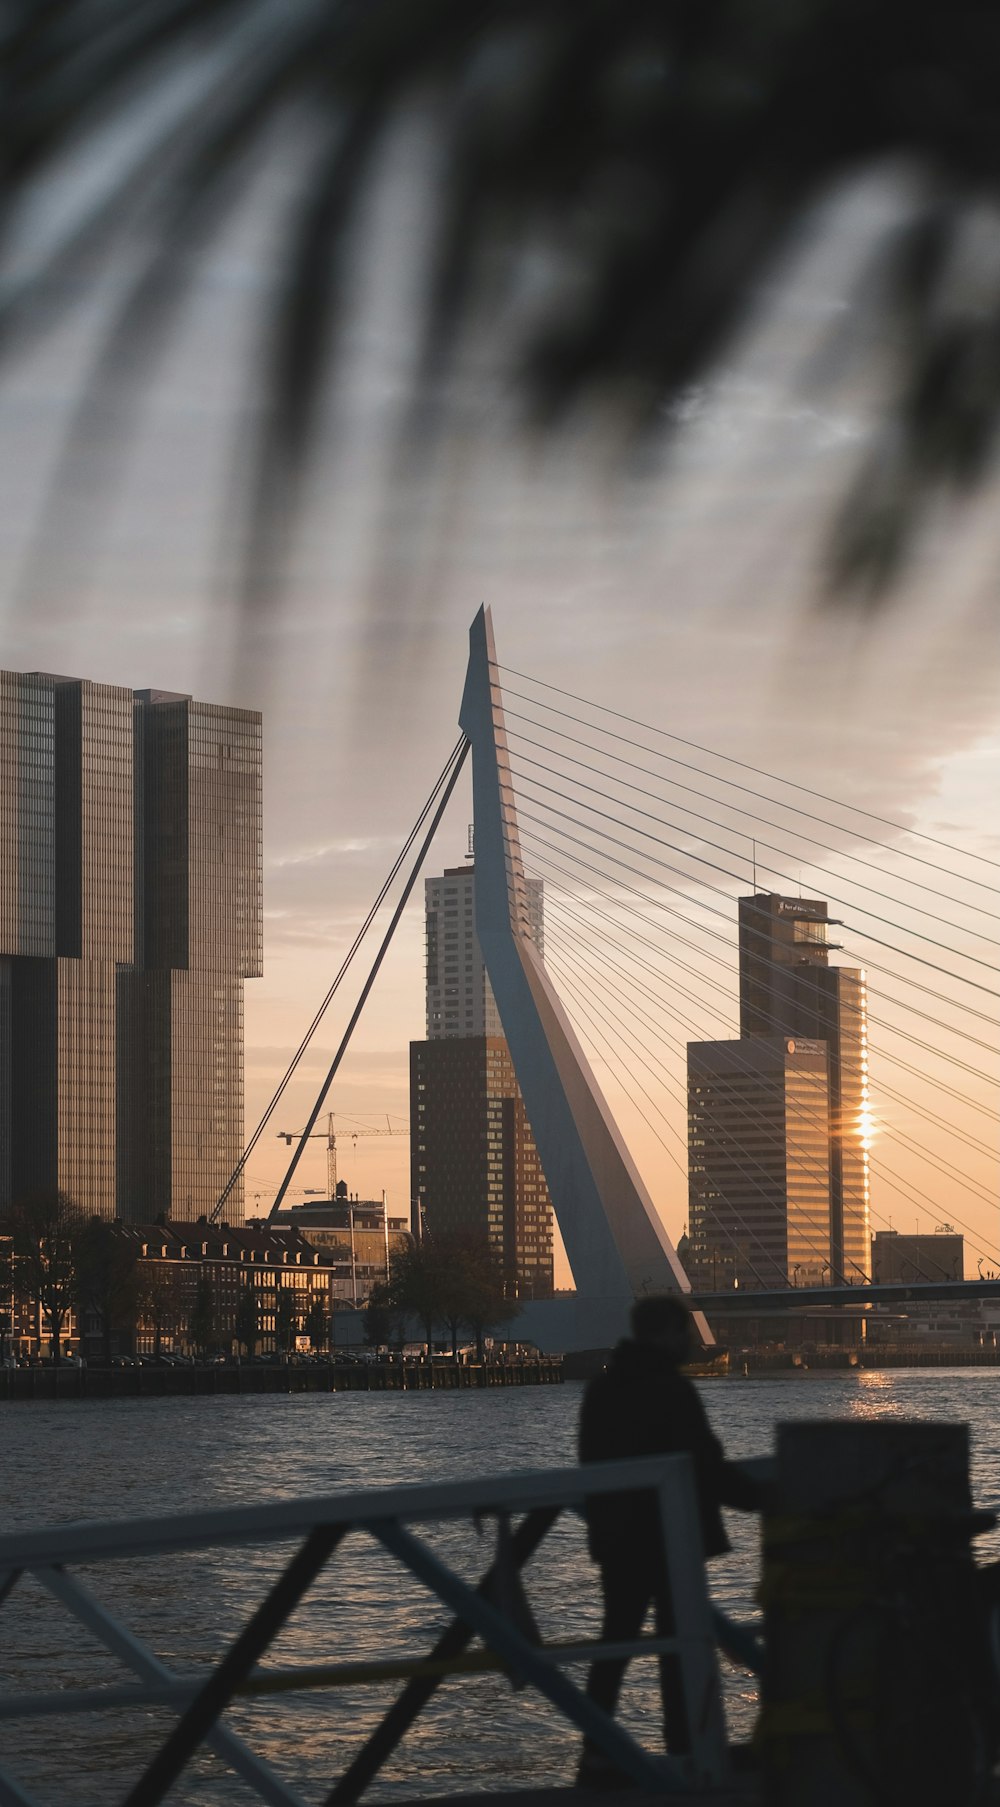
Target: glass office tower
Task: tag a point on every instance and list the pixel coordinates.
(778, 1120)
(788, 987)
(759, 1162)
(198, 860)
(130, 914)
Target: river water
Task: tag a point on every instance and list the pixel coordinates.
(126, 1458)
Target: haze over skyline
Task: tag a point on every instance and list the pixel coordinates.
(686, 598)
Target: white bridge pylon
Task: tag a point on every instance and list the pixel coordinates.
(616, 1244)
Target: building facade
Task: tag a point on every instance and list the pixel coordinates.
(460, 998)
(788, 987)
(357, 1238)
(901, 1258)
(475, 1169)
(186, 1270)
(759, 1162)
(778, 1121)
(130, 915)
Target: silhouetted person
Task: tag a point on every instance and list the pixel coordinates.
(642, 1405)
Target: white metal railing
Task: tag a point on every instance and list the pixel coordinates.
(488, 1611)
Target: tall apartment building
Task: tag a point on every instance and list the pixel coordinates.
(791, 997)
(759, 1162)
(476, 1169)
(460, 998)
(474, 1164)
(130, 914)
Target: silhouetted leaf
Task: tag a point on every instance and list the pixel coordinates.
(659, 155)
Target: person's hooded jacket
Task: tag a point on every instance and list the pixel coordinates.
(642, 1405)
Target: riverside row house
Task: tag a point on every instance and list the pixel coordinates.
(130, 917)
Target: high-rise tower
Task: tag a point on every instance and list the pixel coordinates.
(130, 866)
(460, 998)
(475, 1167)
(788, 987)
(198, 937)
(778, 1168)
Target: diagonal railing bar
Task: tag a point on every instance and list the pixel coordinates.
(655, 1773)
(137, 1657)
(314, 1526)
(12, 1794)
(306, 1677)
(739, 1642)
(9, 1582)
(453, 1640)
(201, 1716)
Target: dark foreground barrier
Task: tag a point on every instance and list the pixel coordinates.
(878, 1681)
(156, 1382)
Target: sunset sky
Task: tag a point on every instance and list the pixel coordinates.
(682, 593)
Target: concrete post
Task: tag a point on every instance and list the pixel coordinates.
(878, 1685)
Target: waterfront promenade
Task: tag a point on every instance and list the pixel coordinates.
(150, 1381)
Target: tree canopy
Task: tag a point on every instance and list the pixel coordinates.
(450, 1283)
(107, 1279)
(45, 1229)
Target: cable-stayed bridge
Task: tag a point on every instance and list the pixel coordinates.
(645, 843)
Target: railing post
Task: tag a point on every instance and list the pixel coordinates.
(682, 1549)
(877, 1684)
(267, 1621)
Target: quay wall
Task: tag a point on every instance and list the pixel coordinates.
(150, 1382)
(776, 1361)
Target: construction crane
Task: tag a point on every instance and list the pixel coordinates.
(329, 1135)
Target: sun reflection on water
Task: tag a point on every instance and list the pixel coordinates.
(877, 1396)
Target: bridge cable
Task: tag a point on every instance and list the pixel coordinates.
(458, 762)
(334, 987)
(700, 817)
(811, 1117)
(743, 765)
(912, 1143)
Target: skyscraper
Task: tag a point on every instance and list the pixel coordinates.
(460, 998)
(788, 987)
(475, 1168)
(130, 868)
(759, 1162)
(778, 1119)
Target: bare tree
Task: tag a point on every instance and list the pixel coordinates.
(158, 1301)
(247, 1324)
(286, 1319)
(418, 1284)
(203, 1326)
(317, 1324)
(381, 1316)
(453, 1281)
(107, 1282)
(45, 1227)
(6, 1290)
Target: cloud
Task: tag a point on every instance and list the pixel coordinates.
(685, 598)
(328, 851)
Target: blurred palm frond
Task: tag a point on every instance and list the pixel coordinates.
(655, 158)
